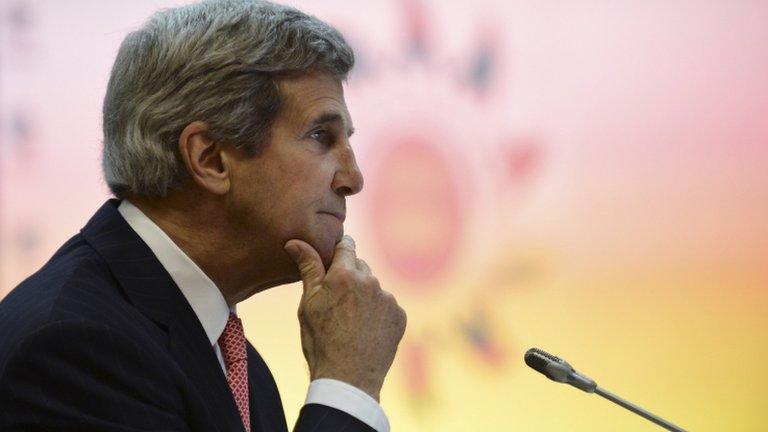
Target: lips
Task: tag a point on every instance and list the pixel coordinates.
(338, 215)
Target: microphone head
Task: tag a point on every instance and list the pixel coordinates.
(551, 366)
(557, 369)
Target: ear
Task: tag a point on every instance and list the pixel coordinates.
(204, 159)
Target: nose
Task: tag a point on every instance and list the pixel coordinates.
(348, 180)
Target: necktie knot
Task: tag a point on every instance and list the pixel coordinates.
(232, 341)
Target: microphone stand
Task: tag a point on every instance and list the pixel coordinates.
(561, 371)
(637, 410)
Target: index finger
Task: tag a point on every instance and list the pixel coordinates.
(344, 254)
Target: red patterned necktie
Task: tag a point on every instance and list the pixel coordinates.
(232, 344)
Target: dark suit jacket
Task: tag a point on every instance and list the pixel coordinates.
(101, 339)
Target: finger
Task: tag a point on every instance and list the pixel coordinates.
(344, 254)
(308, 262)
(363, 266)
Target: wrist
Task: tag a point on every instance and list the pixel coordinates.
(371, 387)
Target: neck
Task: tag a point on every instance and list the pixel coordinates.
(239, 265)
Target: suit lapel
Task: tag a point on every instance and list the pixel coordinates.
(264, 398)
(153, 292)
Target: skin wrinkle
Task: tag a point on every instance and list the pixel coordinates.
(240, 218)
(270, 198)
(202, 62)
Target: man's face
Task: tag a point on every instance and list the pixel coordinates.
(296, 187)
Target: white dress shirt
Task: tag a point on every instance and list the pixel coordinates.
(211, 309)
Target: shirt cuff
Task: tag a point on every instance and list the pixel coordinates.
(350, 399)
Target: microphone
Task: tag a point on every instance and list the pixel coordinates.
(561, 371)
(557, 369)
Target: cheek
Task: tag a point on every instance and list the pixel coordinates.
(301, 189)
(294, 214)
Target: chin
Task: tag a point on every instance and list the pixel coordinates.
(325, 249)
(323, 237)
(325, 245)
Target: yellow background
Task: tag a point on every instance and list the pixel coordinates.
(633, 243)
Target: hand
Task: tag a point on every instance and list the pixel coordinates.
(350, 327)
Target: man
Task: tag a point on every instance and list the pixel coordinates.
(226, 145)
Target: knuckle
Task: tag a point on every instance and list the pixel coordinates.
(371, 281)
(402, 315)
(345, 277)
(388, 297)
(340, 274)
(397, 310)
(402, 319)
(347, 246)
(306, 267)
(347, 241)
(346, 249)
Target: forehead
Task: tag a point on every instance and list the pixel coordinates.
(309, 97)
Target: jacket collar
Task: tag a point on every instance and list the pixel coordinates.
(198, 289)
(150, 288)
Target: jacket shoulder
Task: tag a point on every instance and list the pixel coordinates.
(74, 284)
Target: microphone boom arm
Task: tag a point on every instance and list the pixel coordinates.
(637, 410)
(561, 371)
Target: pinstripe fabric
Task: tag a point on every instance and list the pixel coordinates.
(101, 339)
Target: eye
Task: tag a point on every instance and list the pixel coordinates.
(322, 136)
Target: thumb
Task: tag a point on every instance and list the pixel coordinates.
(308, 262)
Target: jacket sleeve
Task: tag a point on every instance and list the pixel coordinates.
(79, 375)
(316, 417)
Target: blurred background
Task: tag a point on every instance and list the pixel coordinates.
(588, 177)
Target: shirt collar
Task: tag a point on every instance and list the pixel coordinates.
(201, 293)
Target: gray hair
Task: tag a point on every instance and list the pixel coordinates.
(214, 61)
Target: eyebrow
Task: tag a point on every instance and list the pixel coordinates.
(330, 117)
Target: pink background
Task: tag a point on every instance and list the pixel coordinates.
(590, 177)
